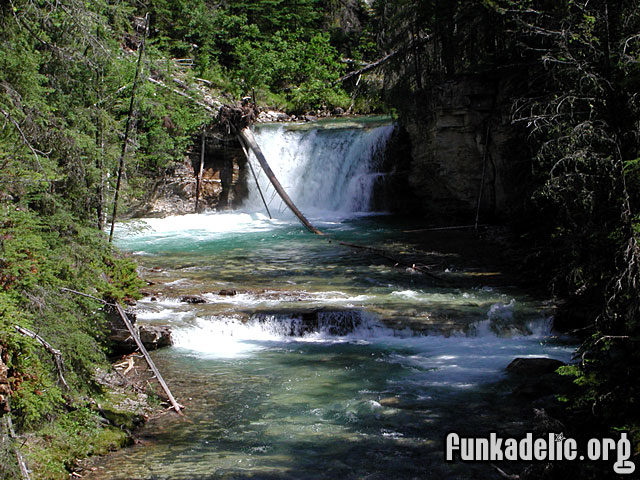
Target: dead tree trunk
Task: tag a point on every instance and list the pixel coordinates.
(247, 137)
(57, 355)
(8, 425)
(200, 171)
(100, 207)
(127, 129)
(255, 177)
(154, 369)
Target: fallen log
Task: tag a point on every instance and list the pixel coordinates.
(381, 61)
(246, 135)
(370, 66)
(435, 229)
(385, 254)
(211, 108)
(57, 355)
(176, 406)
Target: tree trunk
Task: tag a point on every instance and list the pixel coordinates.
(200, 172)
(100, 159)
(125, 143)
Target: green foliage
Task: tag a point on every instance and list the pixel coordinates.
(40, 255)
(66, 78)
(304, 70)
(272, 46)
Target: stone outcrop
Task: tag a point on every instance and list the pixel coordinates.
(224, 180)
(458, 129)
(120, 341)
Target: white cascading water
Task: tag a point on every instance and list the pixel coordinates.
(330, 175)
(327, 172)
(459, 360)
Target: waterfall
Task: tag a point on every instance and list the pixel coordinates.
(327, 171)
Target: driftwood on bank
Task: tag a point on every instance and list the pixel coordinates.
(136, 338)
(57, 355)
(176, 406)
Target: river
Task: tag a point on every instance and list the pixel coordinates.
(328, 362)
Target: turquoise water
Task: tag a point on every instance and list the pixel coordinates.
(420, 360)
(328, 362)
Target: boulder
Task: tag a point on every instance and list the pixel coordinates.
(192, 299)
(228, 292)
(534, 366)
(155, 336)
(120, 341)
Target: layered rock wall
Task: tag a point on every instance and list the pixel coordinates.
(461, 131)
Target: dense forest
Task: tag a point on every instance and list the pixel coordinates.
(68, 72)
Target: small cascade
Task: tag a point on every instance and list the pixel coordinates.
(324, 170)
(330, 323)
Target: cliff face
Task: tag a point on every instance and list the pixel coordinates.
(224, 180)
(460, 132)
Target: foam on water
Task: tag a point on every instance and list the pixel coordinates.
(202, 226)
(461, 360)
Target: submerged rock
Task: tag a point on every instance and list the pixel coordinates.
(228, 292)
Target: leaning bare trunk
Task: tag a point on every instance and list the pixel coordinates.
(246, 136)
